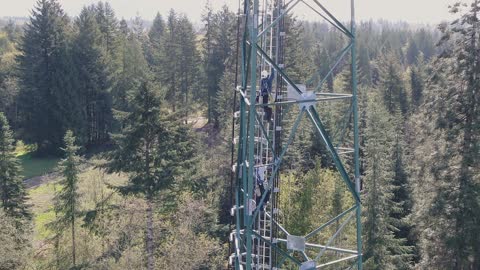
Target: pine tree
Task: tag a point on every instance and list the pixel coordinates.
(123, 27)
(157, 30)
(132, 69)
(108, 25)
(382, 249)
(12, 30)
(392, 85)
(208, 66)
(425, 41)
(155, 36)
(92, 72)
(455, 168)
(188, 73)
(110, 42)
(16, 245)
(12, 191)
(428, 172)
(49, 102)
(218, 50)
(322, 62)
(412, 52)
(294, 66)
(402, 197)
(138, 29)
(153, 149)
(365, 73)
(224, 100)
(417, 81)
(171, 54)
(67, 199)
(9, 87)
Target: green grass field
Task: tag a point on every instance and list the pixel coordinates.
(31, 165)
(42, 193)
(41, 197)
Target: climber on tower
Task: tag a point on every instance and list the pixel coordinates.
(265, 90)
(261, 183)
(260, 179)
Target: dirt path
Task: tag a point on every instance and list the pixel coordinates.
(39, 180)
(51, 176)
(197, 122)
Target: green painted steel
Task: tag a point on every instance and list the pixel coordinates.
(253, 26)
(339, 59)
(278, 69)
(330, 221)
(282, 252)
(312, 112)
(279, 160)
(337, 22)
(255, 55)
(356, 142)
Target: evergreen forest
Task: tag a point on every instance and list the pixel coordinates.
(116, 139)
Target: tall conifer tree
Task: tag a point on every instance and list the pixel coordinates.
(153, 149)
(12, 192)
(91, 56)
(49, 102)
(456, 200)
(365, 73)
(188, 73)
(15, 247)
(132, 69)
(417, 81)
(382, 249)
(322, 62)
(154, 49)
(218, 45)
(67, 199)
(392, 85)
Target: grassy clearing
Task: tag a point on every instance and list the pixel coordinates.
(34, 166)
(41, 199)
(92, 186)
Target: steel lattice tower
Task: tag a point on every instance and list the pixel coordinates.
(259, 241)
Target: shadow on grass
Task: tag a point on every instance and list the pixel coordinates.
(35, 166)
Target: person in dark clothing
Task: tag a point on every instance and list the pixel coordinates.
(265, 90)
(260, 179)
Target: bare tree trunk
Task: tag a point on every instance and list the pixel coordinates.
(150, 248)
(57, 236)
(73, 241)
(102, 211)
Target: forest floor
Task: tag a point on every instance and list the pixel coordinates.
(32, 166)
(40, 178)
(198, 122)
(41, 192)
(36, 181)
(35, 166)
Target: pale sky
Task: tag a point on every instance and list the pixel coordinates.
(413, 11)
